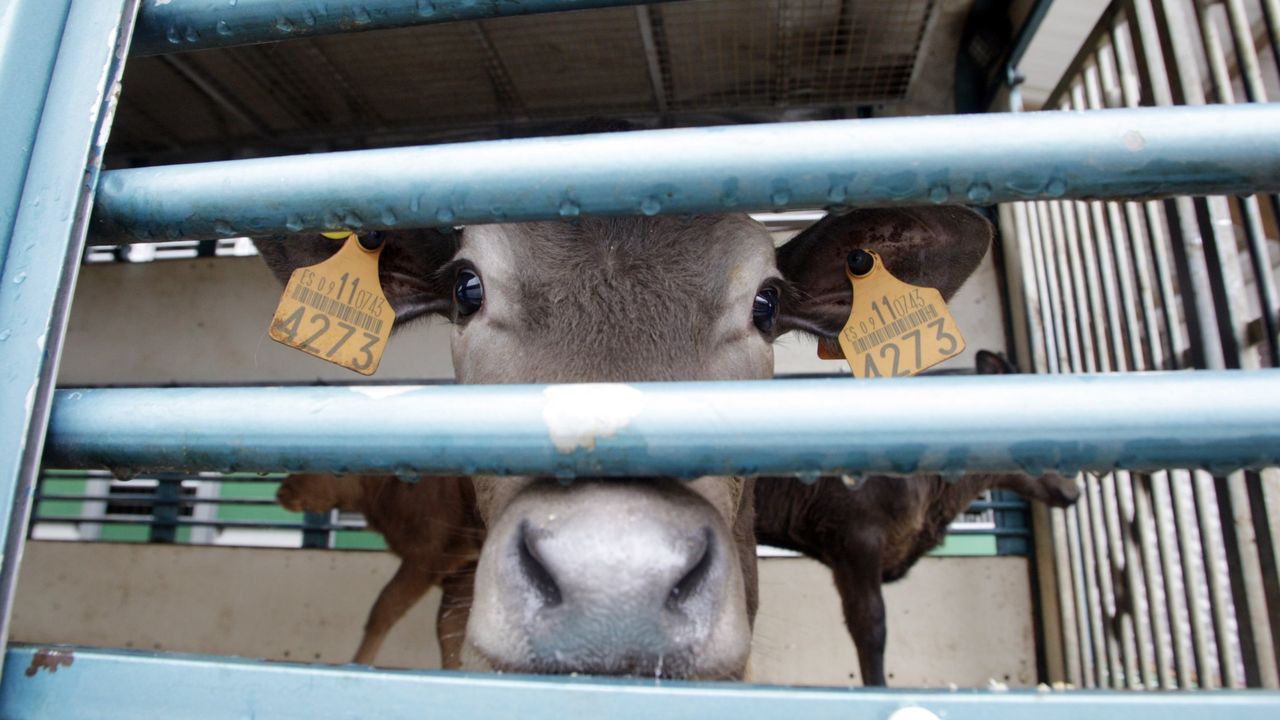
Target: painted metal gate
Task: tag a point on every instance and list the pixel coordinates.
(62, 59)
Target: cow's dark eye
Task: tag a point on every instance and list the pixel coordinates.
(765, 309)
(468, 292)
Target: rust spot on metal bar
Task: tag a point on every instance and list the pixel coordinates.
(50, 660)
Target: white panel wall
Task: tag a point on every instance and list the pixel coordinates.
(962, 621)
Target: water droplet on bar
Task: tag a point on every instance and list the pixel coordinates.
(569, 209)
(223, 28)
(979, 192)
(651, 205)
(729, 192)
(444, 215)
(939, 193)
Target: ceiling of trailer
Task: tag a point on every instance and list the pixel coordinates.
(697, 62)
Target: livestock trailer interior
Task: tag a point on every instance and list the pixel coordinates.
(1126, 152)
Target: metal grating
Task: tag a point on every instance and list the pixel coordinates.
(676, 63)
(1165, 579)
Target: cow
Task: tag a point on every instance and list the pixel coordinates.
(650, 576)
(430, 525)
(867, 536)
(874, 533)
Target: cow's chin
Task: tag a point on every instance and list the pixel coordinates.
(611, 577)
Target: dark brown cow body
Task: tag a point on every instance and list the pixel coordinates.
(875, 533)
(430, 525)
(644, 576)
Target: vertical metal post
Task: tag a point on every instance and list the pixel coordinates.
(165, 510)
(1271, 13)
(47, 237)
(29, 34)
(315, 530)
(1247, 65)
(1063, 217)
(1011, 519)
(1021, 313)
(1182, 634)
(1173, 325)
(1189, 254)
(1041, 234)
(1091, 654)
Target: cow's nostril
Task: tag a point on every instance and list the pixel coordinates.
(535, 572)
(701, 557)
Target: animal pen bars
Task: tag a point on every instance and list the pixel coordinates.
(1158, 578)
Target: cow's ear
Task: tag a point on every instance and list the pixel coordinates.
(989, 363)
(934, 247)
(409, 266)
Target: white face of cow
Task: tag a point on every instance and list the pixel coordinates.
(614, 576)
(646, 576)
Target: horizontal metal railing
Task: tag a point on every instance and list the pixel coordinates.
(1218, 420)
(974, 159)
(224, 687)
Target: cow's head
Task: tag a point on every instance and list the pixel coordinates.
(633, 576)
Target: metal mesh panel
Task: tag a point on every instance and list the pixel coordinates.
(421, 84)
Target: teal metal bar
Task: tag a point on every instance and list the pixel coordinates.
(1030, 26)
(60, 683)
(43, 253)
(29, 32)
(1216, 420)
(179, 25)
(975, 159)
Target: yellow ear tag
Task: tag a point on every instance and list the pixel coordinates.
(336, 311)
(894, 328)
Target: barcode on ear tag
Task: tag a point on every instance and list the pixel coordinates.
(896, 329)
(336, 311)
